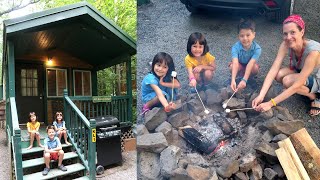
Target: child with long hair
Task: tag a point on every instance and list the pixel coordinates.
(199, 62)
(157, 85)
(60, 127)
(33, 129)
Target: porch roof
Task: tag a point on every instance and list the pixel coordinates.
(78, 30)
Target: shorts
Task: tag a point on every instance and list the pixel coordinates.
(152, 95)
(312, 83)
(242, 67)
(54, 156)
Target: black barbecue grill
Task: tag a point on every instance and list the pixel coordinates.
(108, 141)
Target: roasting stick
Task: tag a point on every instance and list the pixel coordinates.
(230, 110)
(173, 74)
(205, 109)
(225, 104)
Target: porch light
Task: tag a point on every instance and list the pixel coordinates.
(49, 61)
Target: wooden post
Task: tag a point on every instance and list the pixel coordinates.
(308, 152)
(287, 164)
(18, 154)
(288, 147)
(92, 149)
(129, 90)
(66, 111)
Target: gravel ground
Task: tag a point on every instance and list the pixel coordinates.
(128, 169)
(5, 160)
(166, 25)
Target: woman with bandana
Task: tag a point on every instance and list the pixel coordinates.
(303, 74)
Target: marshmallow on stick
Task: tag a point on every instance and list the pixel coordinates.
(242, 109)
(173, 74)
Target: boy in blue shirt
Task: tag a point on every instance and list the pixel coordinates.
(245, 54)
(52, 151)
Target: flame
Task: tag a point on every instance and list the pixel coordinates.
(220, 146)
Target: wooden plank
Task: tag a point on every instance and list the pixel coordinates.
(38, 149)
(308, 152)
(53, 173)
(287, 145)
(40, 161)
(287, 164)
(82, 178)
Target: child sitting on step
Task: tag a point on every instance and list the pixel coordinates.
(33, 129)
(60, 127)
(52, 151)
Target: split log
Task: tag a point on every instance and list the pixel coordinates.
(308, 152)
(197, 140)
(288, 147)
(287, 164)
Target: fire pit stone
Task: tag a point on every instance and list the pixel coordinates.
(215, 145)
(154, 142)
(169, 158)
(141, 129)
(228, 168)
(247, 162)
(179, 119)
(154, 118)
(197, 172)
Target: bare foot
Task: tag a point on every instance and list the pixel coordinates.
(40, 145)
(30, 147)
(68, 143)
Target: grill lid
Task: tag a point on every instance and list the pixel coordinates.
(106, 121)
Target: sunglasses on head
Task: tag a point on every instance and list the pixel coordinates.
(32, 113)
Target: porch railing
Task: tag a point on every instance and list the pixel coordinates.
(82, 133)
(14, 136)
(118, 107)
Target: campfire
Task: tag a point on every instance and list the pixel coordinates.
(231, 141)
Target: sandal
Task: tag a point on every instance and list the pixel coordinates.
(315, 105)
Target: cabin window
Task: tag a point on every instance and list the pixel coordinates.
(29, 82)
(82, 83)
(56, 82)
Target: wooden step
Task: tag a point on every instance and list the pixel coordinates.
(53, 173)
(82, 178)
(40, 161)
(38, 149)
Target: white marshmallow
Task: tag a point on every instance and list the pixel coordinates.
(227, 110)
(206, 111)
(224, 105)
(174, 74)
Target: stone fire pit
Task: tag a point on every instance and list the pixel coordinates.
(246, 140)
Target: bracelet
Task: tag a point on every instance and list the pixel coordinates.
(243, 79)
(273, 102)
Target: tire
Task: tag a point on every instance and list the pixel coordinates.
(191, 8)
(284, 12)
(99, 170)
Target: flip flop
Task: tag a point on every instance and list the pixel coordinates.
(315, 105)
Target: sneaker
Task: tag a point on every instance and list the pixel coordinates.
(145, 109)
(62, 168)
(45, 171)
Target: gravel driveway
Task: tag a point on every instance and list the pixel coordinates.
(165, 26)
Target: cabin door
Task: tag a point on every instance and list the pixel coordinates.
(29, 91)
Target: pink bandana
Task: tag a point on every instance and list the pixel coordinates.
(296, 19)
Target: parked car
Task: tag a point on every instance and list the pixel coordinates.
(276, 10)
